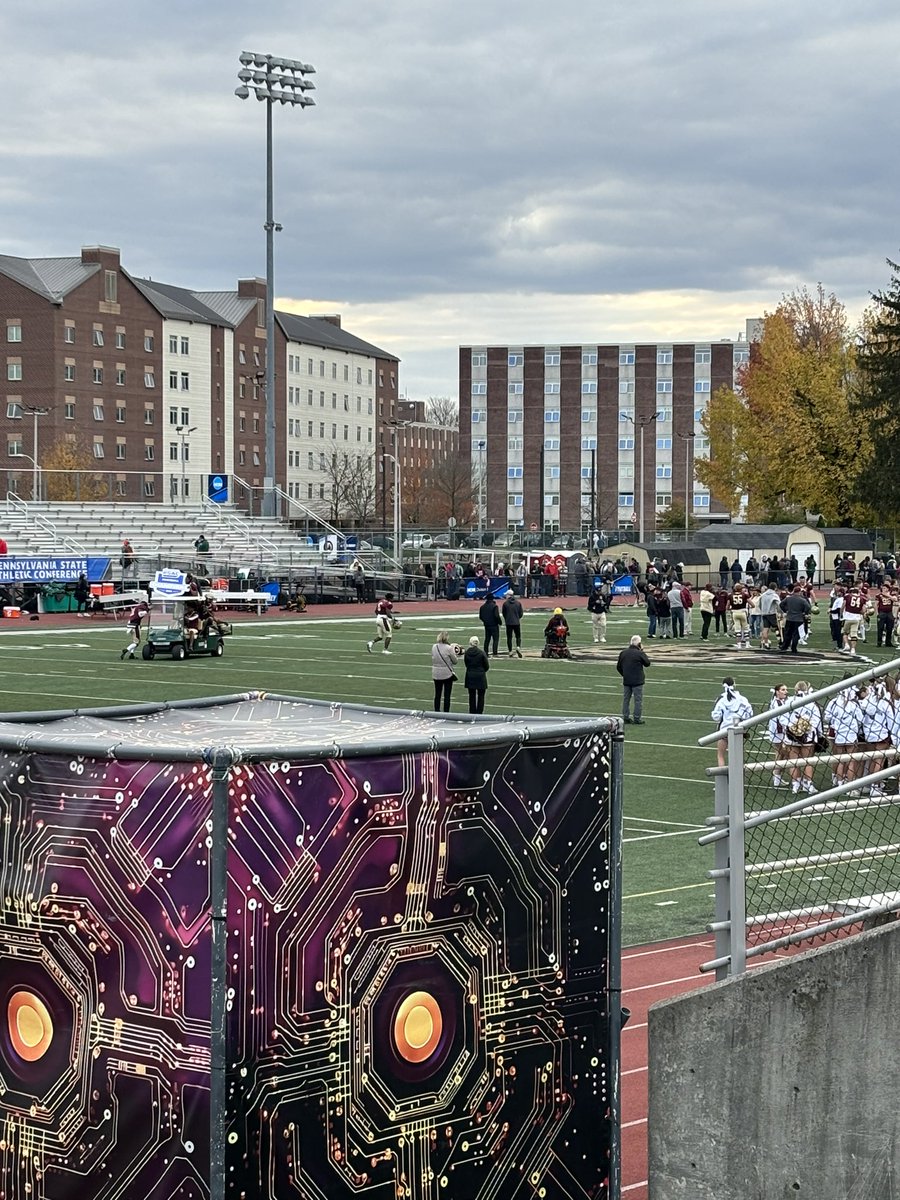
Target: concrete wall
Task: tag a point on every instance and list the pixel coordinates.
(782, 1083)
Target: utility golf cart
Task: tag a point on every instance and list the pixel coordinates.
(174, 638)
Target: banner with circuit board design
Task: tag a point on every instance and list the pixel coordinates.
(418, 957)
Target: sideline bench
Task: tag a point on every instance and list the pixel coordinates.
(246, 600)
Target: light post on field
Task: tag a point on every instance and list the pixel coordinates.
(688, 439)
(37, 471)
(183, 432)
(283, 81)
(641, 425)
(18, 410)
(481, 446)
(397, 501)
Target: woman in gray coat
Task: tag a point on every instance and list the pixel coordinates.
(444, 658)
(477, 667)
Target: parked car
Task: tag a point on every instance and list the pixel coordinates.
(418, 541)
(442, 540)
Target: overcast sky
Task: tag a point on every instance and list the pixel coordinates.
(474, 172)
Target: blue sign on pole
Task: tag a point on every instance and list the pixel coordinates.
(217, 489)
(623, 586)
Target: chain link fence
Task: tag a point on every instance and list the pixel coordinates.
(807, 824)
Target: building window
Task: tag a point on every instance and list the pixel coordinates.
(185, 416)
(185, 381)
(515, 443)
(98, 412)
(551, 443)
(701, 500)
(98, 450)
(110, 286)
(14, 333)
(148, 343)
(663, 499)
(626, 358)
(120, 377)
(14, 371)
(120, 339)
(664, 472)
(173, 343)
(626, 386)
(589, 443)
(551, 359)
(588, 414)
(626, 499)
(149, 451)
(551, 389)
(70, 410)
(514, 500)
(479, 360)
(589, 387)
(148, 416)
(149, 379)
(478, 415)
(69, 334)
(702, 356)
(514, 472)
(586, 472)
(173, 380)
(551, 500)
(121, 488)
(98, 375)
(626, 414)
(626, 443)
(14, 411)
(551, 415)
(120, 414)
(516, 360)
(664, 443)
(516, 389)
(149, 488)
(664, 415)
(14, 445)
(120, 450)
(185, 345)
(552, 472)
(701, 385)
(742, 355)
(515, 415)
(589, 358)
(663, 358)
(664, 385)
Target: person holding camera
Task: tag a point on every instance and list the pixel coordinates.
(444, 657)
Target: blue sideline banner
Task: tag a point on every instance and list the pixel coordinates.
(33, 569)
(623, 586)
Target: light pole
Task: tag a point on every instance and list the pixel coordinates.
(37, 470)
(688, 439)
(36, 411)
(396, 462)
(481, 446)
(641, 425)
(282, 80)
(183, 432)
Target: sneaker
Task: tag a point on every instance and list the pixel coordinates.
(131, 655)
(810, 787)
(603, 639)
(795, 788)
(369, 647)
(639, 721)
(628, 720)
(519, 653)
(387, 652)
(597, 639)
(122, 655)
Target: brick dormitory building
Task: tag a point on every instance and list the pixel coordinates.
(555, 430)
(157, 385)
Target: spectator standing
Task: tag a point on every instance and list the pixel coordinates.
(768, 613)
(720, 610)
(676, 608)
(489, 616)
(885, 603)
(707, 598)
(511, 614)
(737, 572)
(201, 545)
(723, 572)
(477, 667)
(809, 565)
(82, 594)
(4, 549)
(598, 606)
(664, 610)
(631, 665)
(652, 611)
(127, 558)
(687, 600)
(444, 658)
(796, 609)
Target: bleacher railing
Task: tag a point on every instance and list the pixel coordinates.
(804, 866)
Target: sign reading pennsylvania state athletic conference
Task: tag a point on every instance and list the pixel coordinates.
(32, 569)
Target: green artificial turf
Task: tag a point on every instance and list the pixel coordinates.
(667, 794)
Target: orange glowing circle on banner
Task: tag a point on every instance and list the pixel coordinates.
(417, 1027)
(30, 1026)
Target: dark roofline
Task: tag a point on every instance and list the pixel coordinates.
(317, 331)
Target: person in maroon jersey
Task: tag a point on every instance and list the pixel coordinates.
(885, 605)
(135, 619)
(740, 618)
(853, 615)
(385, 622)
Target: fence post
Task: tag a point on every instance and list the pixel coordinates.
(737, 892)
(721, 848)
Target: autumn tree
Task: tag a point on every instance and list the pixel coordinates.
(786, 439)
(875, 403)
(70, 472)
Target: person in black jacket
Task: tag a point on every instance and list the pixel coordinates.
(598, 607)
(631, 664)
(512, 619)
(477, 666)
(796, 609)
(489, 616)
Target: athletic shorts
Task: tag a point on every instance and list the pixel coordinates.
(739, 619)
(770, 621)
(851, 627)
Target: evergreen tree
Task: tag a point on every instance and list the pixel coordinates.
(876, 404)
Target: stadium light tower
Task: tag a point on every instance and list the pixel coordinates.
(275, 81)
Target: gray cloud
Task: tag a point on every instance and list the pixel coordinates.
(463, 148)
